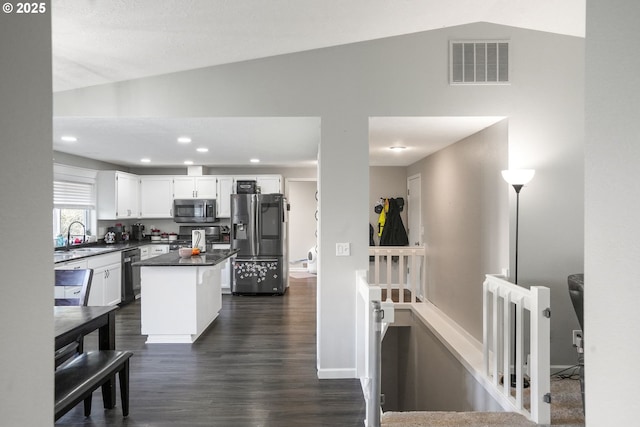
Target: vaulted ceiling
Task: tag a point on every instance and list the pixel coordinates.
(99, 42)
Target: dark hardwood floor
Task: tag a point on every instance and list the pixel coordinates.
(254, 366)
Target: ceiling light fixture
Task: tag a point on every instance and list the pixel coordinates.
(145, 160)
(69, 138)
(184, 140)
(188, 162)
(255, 160)
(202, 150)
(397, 148)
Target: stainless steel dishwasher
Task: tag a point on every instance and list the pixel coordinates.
(130, 276)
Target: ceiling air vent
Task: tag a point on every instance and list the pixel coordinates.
(479, 62)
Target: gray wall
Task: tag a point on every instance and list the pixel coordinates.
(419, 373)
(398, 76)
(465, 214)
(26, 174)
(612, 205)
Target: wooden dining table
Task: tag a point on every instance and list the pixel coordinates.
(72, 322)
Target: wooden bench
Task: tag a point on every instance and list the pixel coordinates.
(77, 379)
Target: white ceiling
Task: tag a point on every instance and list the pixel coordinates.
(98, 42)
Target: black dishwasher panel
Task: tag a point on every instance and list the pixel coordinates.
(130, 276)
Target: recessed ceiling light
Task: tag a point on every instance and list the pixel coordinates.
(184, 140)
(397, 148)
(255, 160)
(69, 138)
(202, 150)
(145, 160)
(188, 162)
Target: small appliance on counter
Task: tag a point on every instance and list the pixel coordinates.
(209, 236)
(137, 232)
(110, 237)
(118, 230)
(198, 240)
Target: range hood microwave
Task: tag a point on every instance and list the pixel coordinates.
(194, 210)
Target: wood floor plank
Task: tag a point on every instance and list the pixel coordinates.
(255, 366)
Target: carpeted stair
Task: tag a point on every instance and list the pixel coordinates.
(453, 419)
(566, 411)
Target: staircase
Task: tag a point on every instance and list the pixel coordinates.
(453, 419)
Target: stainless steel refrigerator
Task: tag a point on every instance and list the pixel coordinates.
(259, 233)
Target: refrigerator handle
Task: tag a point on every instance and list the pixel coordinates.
(254, 225)
(258, 223)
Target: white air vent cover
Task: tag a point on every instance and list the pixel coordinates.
(479, 62)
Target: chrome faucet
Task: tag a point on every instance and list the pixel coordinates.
(84, 233)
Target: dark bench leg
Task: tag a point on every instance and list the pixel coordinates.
(87, 405)
(124, 388)
(108, 393)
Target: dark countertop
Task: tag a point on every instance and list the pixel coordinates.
(78, 252)
(172, 259)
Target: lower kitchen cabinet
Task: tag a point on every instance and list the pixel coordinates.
(157, 249)
(106, 286)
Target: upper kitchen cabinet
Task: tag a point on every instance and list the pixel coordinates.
(223, 197)
(194, 187)
(118, 195)
(269, 184)
(156, 196)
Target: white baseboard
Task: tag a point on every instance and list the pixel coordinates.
(336, 374)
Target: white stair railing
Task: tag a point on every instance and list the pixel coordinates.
(373, 316)
(410, 261)
(499, 299)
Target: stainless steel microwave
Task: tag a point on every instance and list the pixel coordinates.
(194, 210)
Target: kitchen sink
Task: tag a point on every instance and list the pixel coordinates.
(90, 250)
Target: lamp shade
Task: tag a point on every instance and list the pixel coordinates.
(518, 176)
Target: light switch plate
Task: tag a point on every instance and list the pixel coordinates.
(343, 249)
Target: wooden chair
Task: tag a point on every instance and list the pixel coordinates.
(78, 282)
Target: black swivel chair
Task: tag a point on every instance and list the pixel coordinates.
(79, 284)
(576, 292)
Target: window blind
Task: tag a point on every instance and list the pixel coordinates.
(77, 195)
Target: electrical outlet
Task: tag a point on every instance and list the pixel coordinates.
(577, 337)
(343, 249)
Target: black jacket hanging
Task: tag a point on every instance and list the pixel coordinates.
(394, 233)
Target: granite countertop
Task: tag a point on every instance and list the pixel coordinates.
(78, 252)
(172, 259)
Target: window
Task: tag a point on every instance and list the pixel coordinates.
(73, 201)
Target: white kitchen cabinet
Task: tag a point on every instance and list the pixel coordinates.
(72, 265)
(106, 285)
(156, 196)
(144, 252)
(225, 268)
(194, 187)
(118, 195)
(157, 249)
(223, 196)
(270, 184)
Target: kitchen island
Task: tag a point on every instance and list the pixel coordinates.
(180, 297)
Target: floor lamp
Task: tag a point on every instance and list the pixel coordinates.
(517, 178)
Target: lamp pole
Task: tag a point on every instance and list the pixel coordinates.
(517, 187)
(517, 178)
